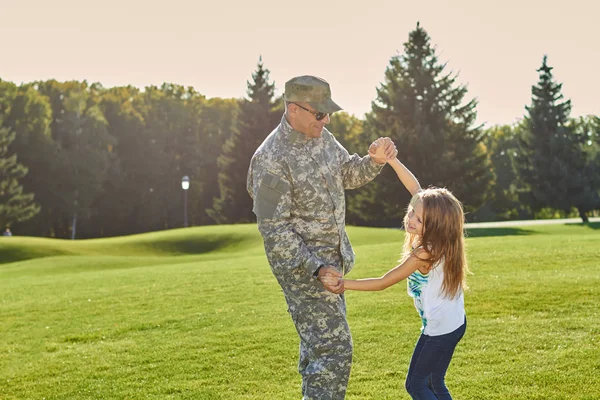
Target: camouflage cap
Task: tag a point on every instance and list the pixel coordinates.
(312, 90)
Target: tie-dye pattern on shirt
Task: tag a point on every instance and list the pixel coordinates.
(415, 284)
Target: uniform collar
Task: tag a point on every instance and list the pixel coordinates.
(291, 134)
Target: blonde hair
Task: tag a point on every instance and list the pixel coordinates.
(442, 236)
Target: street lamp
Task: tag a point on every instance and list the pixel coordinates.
(185, 185)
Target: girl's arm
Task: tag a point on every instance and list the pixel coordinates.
(406, 177)
(395, 275)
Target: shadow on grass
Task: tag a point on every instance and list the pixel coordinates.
(197, 245)
(485, 232)
(591, 225)
(161, 246)
(13, 254)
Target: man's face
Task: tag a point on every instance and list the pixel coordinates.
(306, 122)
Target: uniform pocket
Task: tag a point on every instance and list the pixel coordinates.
(270, 191)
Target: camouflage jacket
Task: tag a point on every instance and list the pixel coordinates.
(298, 184)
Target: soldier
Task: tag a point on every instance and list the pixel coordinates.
(297, 179)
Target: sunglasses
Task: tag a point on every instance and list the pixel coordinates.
(318, 115)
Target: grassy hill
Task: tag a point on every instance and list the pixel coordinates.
(196, 314)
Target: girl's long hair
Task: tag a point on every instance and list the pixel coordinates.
(443, 237)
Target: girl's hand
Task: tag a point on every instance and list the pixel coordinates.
(377, 152)
(329, 280)
(383, 150)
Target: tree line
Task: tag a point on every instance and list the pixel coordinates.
(81, 160)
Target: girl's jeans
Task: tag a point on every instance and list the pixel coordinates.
(429, 363)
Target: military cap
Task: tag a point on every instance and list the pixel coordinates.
(312, 90)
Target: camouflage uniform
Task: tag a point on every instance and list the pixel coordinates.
(298, 184)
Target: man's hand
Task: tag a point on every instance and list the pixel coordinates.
(382, 150)
(331, 279)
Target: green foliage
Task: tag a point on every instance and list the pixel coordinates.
(180, 314)
(110, 161)
(15, 206)
(349, 131)
(220, 120)
(161, 135)
(588, 128)
(422, 109)
(503, 204)
(259, 115)
(28, 114)
(120, 207)
(171, 130)
(81, 147)
(553, 160)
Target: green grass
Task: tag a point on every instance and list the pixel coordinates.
(197, 314)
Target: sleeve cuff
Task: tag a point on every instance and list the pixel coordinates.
(313, 267)
(316, 273)
(375, 165)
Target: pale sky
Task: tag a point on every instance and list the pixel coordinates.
(214, 46)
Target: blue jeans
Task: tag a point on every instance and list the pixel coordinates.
(429, 363)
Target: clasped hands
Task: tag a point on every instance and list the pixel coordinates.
(383, 150)
(331, 279)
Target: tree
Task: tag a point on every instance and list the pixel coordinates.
(121, 200)
(504, 203)
(258, 117)
(219, 120)
(349, 131)
(422, 109)
(15, 206)
(173, 130)
(28, 114)
(553, 160)
(588, 127)
(83, 156)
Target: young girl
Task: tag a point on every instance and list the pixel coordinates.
(435, 265)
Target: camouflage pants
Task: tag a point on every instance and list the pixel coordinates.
(325, 346)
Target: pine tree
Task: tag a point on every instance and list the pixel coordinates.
(421, 108)
(219, 123)
(258, 116)
(27, 113)
(553, 161)
(15, 206)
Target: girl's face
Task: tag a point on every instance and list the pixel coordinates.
(415, 219)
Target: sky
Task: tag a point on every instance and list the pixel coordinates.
(494, 47)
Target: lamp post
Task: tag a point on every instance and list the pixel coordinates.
(185, 185)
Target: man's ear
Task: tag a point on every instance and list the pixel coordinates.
(292, 109)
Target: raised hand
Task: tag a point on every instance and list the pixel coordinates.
(382, 150)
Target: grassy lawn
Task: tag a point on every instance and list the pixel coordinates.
(197, 314)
